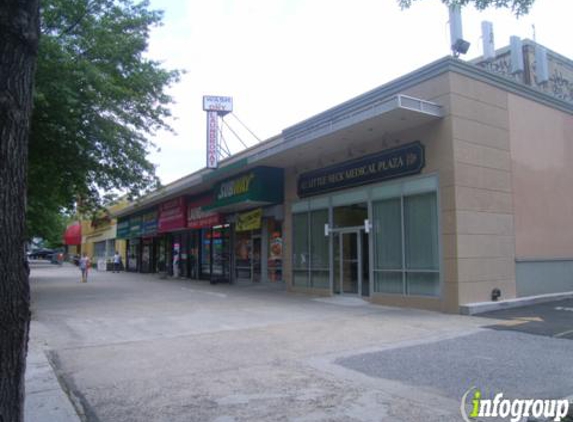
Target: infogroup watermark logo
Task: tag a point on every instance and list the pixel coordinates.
(512, 409)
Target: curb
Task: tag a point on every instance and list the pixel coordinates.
(481, 307)
(45, 399)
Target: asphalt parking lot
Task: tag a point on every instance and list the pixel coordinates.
(551, 319)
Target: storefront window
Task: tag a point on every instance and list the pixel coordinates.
(146, 250)
(206, 253)
(99, 250)
(421, 244)
(388, 251)
(185, 255)
(301, 253)
(275, 251)
(406, 245)
(133, 255)
(311, 250)
(194, 243)
(110, 247)
(243, 253)
(160, 254)
(220, 246)
(319, 244)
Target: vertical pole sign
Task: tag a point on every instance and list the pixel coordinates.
(212, 140)
(215, 107)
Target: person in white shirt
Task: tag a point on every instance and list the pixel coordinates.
(116, 262)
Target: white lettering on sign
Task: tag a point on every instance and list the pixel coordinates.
(214, 103)
(212, 140)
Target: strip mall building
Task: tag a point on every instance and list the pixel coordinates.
(430, 191)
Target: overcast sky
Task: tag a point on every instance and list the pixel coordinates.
(283, 61)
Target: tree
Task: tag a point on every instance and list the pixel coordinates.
(519, 7)
(97, 99)
(19, 26)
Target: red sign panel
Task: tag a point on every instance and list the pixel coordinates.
(172, 215)
(198, 219)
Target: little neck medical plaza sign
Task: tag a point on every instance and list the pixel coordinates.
(389, 164)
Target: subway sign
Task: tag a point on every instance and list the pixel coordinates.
(259, 186)
(389, 164)
(235, 187)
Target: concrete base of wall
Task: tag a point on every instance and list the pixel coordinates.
(481, 307)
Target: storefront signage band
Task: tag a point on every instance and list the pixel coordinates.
(149, 224)
(389, 164)
(198, 219)
(172, 215)
(122, 230)
(135, 227)
(260, 186)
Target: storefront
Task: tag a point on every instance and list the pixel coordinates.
(134, 244)
(254, 230)
(172, 224)
(355, 234)
(148, 233)
(208, 241)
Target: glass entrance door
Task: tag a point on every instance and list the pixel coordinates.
(347, 262)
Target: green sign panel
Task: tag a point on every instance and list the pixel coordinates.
(122, 229)
(261, 185)
(149, 224)
(135, 226)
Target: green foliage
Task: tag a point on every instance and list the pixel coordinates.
(518, 7)
(97, 100)
(48, 224)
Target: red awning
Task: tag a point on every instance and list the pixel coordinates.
(73, 234)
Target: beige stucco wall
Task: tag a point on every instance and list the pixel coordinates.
(541, 156)
(482, 224)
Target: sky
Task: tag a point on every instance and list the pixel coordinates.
(284, 61)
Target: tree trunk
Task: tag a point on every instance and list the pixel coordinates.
(19, 30)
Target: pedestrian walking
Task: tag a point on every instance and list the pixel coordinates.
(84, 267)
(116, 262)
(175, 264)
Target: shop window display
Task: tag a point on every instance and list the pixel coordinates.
(275, 252)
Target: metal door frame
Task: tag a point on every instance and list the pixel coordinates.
(341, 232)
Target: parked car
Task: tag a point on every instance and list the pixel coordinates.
(75, 259)
(42, 253)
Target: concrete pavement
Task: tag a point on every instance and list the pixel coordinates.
(131, 347)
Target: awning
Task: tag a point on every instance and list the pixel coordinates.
(73, 234)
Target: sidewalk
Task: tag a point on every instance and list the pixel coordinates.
(45, 399)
